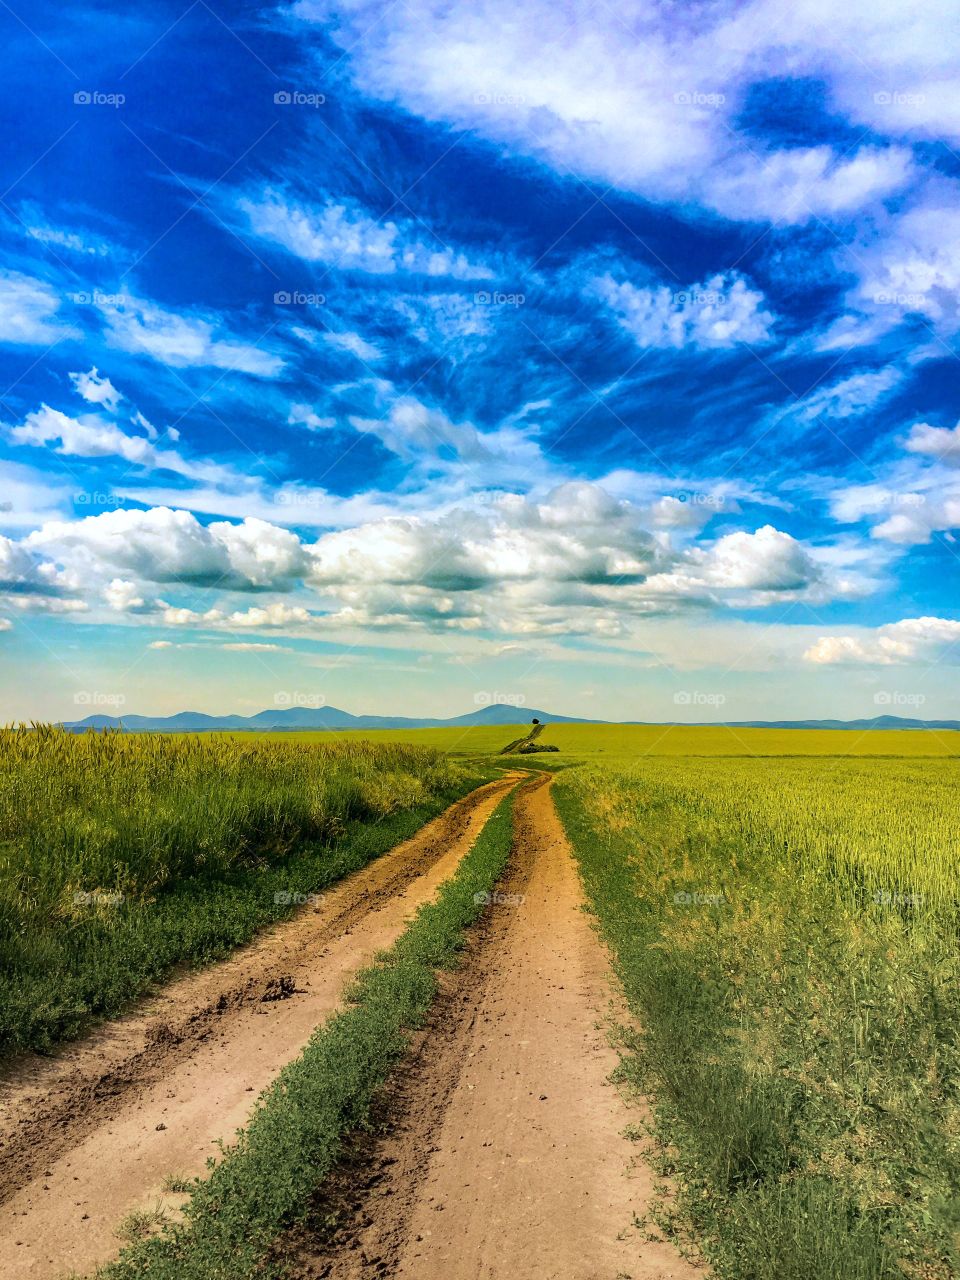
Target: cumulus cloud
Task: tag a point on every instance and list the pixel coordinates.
(941, 443)
(348, 237)
(912, 639)
(579, 561)
(97, 390)
(720, 313)
(164, 546)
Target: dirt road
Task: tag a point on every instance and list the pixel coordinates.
(504, 1157)
(501, 1153)
(90, 1136)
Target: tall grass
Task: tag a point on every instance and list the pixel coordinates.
(122, 855)
(104, 813)
(787, 932)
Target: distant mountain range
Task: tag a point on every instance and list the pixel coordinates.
(496, 714)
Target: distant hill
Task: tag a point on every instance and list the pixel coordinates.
(333, 718)
(313, 718)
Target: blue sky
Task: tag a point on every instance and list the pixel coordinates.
(411, 356)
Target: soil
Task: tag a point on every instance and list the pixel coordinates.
(91, 1135)
(502, 1153)
(497, 1151)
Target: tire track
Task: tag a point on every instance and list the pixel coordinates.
(502, 1155)
(90, 1136)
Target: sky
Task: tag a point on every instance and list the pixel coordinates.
(411, 357)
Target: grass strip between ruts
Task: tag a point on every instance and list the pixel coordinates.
(263, 1183)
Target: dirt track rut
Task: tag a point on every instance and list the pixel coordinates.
(503, 1156)
(89, 1136)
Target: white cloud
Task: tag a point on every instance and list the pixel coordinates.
(165, 546)
(348, 237)
(848, 397)
(355, 345)
(639, 97)
(91, 436)
(123, 596)
(720, 313)
(182, 341)
(249, 646)
(301, 415)
(941, 443)
(913, 639)
(28, 312)
(580, 561)
(97, 390)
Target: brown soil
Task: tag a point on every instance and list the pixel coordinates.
(502, 1155)
(89, 1136)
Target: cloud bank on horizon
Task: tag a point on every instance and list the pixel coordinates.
(592, 354)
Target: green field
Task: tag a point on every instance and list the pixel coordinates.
(782, 909)
(124, 855)
(585, 741)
